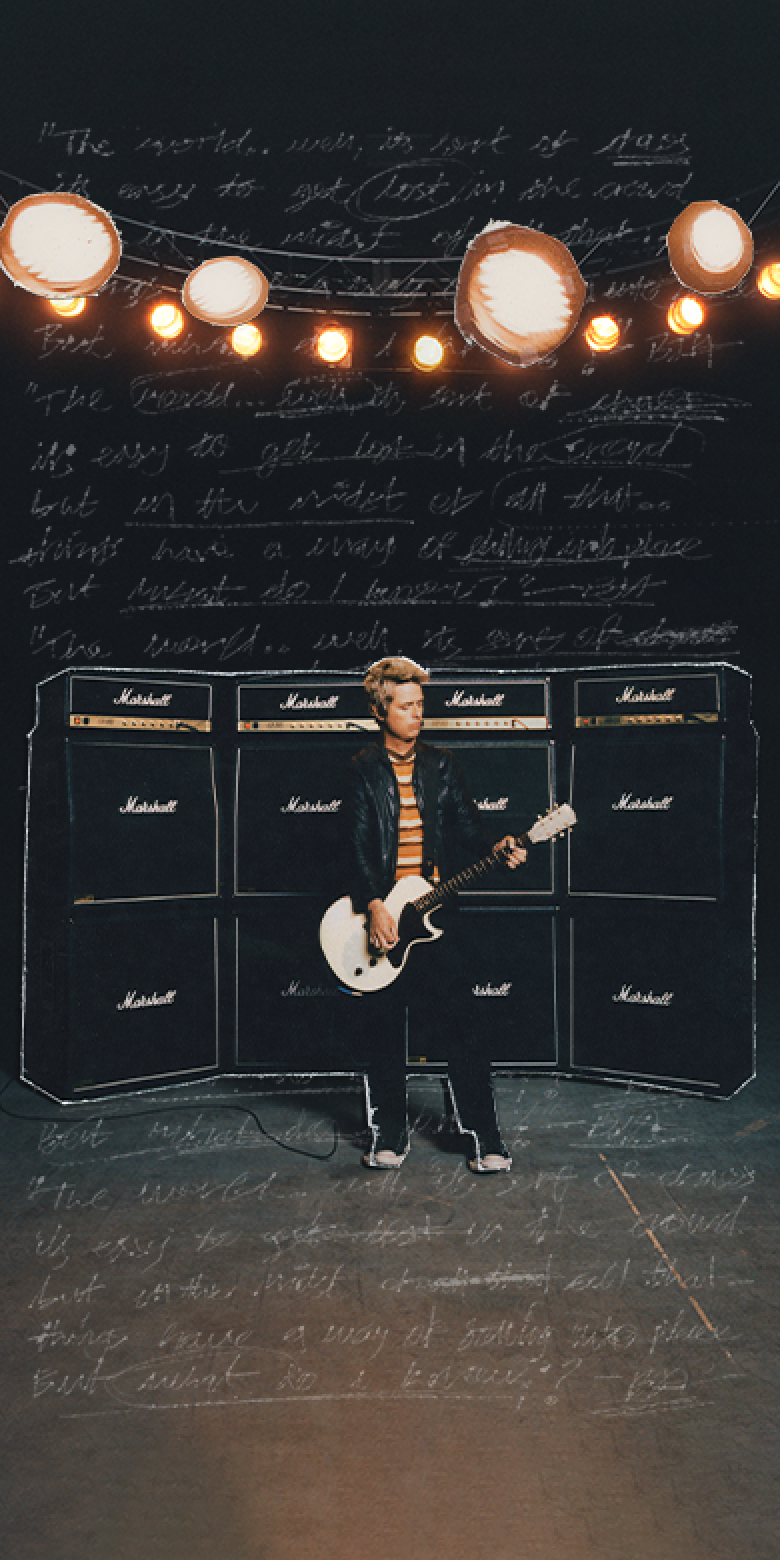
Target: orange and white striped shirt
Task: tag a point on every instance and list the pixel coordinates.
(410, 825)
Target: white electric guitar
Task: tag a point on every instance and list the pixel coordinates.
(411, 903)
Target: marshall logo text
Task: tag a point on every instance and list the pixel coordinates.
(132, 805)
(149, 699)
(297, 988)
(629, 803)
(296, 805)
(652, 696)
(474, 701)
(132, 1001)
(643, 998)
(294, 701)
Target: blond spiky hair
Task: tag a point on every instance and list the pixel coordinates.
(385, 675)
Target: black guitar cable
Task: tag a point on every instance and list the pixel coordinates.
(136, 1115)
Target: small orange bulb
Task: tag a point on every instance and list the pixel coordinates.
(167, 321)
(685, 316)
(246, 340)
(68, 307)
(333, 345)
(769, 280)
(602, 333)
(428, 352)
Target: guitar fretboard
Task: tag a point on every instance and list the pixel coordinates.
(454, 884)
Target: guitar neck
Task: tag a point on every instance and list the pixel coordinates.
(453, 885)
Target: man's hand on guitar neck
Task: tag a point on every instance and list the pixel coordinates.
(509, 852)
(382, 929)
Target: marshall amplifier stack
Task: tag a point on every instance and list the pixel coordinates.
(500, 730)
(660, 877)
(124, 881)
(293, 745)
(185, 836)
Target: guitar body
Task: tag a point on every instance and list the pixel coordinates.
(344, 937)
(411, 902)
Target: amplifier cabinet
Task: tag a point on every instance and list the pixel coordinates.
(498, 729)
(488, 705)
(649, 811)
(124, 818)
(650, 697)
(661, 995)
(121, 807)
(660, 877)
(511, 781)
(121, 1000)
(289, 814)
(290, 1013)
(143, 821)
(126, 702)
(507, 986)
(294, 743)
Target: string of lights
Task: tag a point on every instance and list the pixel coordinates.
(519, 292)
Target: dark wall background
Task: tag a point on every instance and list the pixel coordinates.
(173, 506)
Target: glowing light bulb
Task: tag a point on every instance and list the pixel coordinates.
(710, 247)
(167, 321)
(602, 333)
(428, 352)
(691, 312)
(769, 280)
(519, 293)
(246, 340)
(68, 307)
(716, 240)
(523, 293)
(333, 345)
(226, 291)
(685, 316)
(59, 245)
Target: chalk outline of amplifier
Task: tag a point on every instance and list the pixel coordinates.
(590, 893)
(183, 1072)
(632, 1076)
(142, 899)
(419, 1065)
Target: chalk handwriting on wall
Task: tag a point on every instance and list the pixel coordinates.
(177, 505)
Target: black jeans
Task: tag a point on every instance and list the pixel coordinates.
(435, 985)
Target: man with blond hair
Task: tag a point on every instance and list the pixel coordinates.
(408, 809)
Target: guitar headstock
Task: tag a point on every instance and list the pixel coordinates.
(551, 823)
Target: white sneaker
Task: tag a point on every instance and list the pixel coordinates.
(384, 1159)
(490, 1164)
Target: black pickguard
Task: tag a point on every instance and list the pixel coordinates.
(411, 928)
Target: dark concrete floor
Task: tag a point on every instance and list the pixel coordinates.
(216, 1346)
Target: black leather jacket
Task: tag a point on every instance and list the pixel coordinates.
(450, 818)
